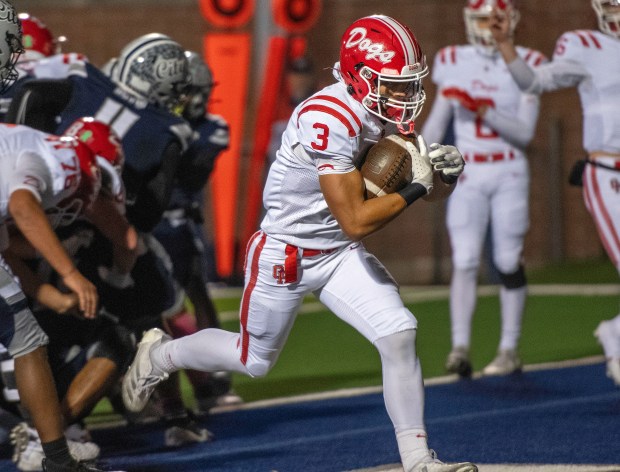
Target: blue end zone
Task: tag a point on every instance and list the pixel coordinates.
(560, 416)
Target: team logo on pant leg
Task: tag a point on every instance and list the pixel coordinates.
(279, 273)
(615, 185)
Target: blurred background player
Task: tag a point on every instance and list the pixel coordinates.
(138, 103)
(181, 230)
(42, 57)
(56, 178)
(493, 124)
(590, 61)
(25, 204)
(87, 356)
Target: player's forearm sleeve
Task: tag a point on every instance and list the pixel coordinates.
(436, 124)
(523, 75)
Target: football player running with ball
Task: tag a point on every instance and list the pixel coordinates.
(590, 61)
(310, 238)
(494, 122)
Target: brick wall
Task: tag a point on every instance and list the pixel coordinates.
(415, 246)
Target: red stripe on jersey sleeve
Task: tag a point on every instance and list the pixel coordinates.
(583, 39)
(330, 111)
(342, 104)
(594, 40)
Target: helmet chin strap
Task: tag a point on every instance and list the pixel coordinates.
(410, 125)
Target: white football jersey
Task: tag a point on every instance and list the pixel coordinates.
(485, 78)
(57, 66)
(38, 162)
(328, 133)
(591, 60)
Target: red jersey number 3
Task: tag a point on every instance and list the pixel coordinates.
(320, 144)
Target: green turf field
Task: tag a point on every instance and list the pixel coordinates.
(323, 353)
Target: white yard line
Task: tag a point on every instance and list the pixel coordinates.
(516, 468)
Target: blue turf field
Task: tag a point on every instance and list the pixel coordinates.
(559, 416)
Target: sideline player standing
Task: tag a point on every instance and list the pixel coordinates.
(590, 61)
(309, 240)
(493, 123)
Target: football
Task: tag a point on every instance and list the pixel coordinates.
(387, 167)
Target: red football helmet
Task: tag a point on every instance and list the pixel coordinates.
(37, 39)
(382, 65)
(105, 144)
(608, 13)
(477, 14)
(67, 210)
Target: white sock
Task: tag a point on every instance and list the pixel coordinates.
(207, 350)
(512, 305)
(413, 447)
(462, 304)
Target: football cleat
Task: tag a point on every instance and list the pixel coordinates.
(609, 340)
(506, 362)
(141, 378)
(458, 362)
(432, 464)
(184, 430)
(28, 451)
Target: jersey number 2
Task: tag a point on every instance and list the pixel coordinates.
(321, 137)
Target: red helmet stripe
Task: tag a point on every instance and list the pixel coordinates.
(405, 37)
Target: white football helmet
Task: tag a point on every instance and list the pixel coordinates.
(608, 13)
(477, 14)
(200, 89)
(10, 44)
(153, 67)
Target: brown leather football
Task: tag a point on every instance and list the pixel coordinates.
(387, 167)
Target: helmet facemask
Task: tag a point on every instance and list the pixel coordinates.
(477, 26)
(397, 99)
(608, 14)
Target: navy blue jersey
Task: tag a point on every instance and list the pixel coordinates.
(154, 140)
(144, 129)
(211, 137)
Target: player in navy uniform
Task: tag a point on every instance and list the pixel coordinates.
(181, 230)
(144, 85)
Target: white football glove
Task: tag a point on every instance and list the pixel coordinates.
(420, 164)
(447, 160)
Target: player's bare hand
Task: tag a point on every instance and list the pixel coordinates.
(499, 25)
(85, 291)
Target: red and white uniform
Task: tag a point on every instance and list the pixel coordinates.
(40, 163)
(52, 67)
(494, 187)
(495, 183)
(590, 60)
(301, 249)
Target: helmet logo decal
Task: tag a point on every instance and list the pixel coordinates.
(8, 13)
(358, 39)
(165, 68)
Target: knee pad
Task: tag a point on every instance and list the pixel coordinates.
(515, 280)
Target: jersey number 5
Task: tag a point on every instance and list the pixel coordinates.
(320, 144)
